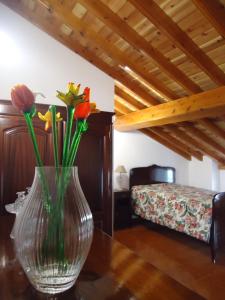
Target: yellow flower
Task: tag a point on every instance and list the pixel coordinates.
(71, 98)
(94, 109)
(47, 118)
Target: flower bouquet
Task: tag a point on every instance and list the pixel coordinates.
(54, 228)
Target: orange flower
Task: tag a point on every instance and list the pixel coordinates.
(22, 98)
(84, 109)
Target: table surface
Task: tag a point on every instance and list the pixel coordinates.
(111, 272)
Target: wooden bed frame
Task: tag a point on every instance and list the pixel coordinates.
(157, 174)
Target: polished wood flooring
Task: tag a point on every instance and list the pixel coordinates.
(183, 258)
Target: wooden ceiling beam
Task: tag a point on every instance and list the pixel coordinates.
(179, 144)
(181, 134)
(165, 24)
(197, 144)
(173, 142)
(201, 149)
(214, 11)
(171, 129)
(112, 51)
(183, 137)
(153, 134)
(132, 85)
(213, 128)
(121, 108)
(198, 134)
(206, 104)
(122, 94)
(119, 26)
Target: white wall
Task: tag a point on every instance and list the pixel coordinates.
(44, 65)
(134, 149)
(200, 173)
(222, 181)
(206, 174)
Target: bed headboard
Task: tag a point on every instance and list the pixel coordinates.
(151, 174)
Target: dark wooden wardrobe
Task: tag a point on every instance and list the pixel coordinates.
(94, 159)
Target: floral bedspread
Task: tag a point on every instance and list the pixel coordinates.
(183, 208)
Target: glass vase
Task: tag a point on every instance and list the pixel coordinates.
(54, 230)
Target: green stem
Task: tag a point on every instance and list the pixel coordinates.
(29, 122)
(66, 144)
(76, 141)
(33, 138)
(55, 137)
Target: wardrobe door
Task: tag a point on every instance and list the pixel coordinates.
(94, 161)
(17, 164)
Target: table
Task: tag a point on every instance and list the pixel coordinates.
(111, 272)
(122, 209)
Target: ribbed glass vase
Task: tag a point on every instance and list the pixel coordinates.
(54, 230)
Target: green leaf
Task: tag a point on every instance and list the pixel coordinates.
(33, 111)
(85, 127)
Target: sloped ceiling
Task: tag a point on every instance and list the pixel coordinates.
(157, 51)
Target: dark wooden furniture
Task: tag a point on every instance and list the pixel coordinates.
(122, 209)
(111, 271)
(157, 174)
(94, 159)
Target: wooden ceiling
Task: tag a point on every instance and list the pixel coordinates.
(157, 51)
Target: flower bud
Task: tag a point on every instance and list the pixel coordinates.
(22, 98)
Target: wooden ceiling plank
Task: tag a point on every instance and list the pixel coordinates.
(214, 11)
(206, 104)
(213, 128)
(119, 26)
(165, 24)
(117, 55)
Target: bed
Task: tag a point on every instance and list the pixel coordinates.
(196, 212)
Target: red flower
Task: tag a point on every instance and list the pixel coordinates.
(22, 98)
(83, 109)
(87, 94)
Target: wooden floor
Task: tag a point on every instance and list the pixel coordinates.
(181, 257)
